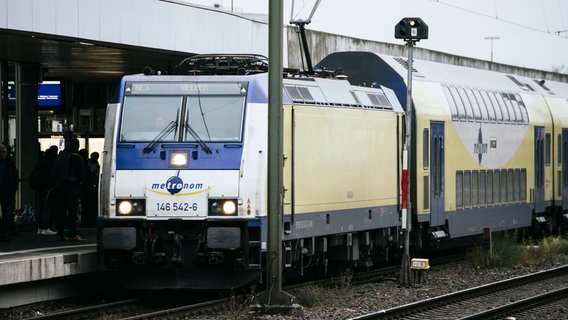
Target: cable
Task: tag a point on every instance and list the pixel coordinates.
(494, 17)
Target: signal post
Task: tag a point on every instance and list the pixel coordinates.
(411, 30)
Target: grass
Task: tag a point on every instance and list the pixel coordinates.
(508, 252)
(316, 295)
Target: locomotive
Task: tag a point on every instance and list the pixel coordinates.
(184, 178)
(183, 189)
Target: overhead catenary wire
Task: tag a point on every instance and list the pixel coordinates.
(496, 17)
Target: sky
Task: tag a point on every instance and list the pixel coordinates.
(531, 33)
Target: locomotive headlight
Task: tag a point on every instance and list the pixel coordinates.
(229, 207)
(222, 207)
(130, 207)
(125, 207)
(179, 159)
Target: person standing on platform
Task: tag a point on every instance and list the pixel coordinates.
(9, 179)
(68, 171)
(90, 206)
(42, 182)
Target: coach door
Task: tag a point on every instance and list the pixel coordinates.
(564, 169)
(437, 216)
(539, 169)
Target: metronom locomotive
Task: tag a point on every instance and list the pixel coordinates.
(184, 176)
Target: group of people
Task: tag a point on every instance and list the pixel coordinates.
(61, 180)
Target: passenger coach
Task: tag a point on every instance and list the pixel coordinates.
(489, 148)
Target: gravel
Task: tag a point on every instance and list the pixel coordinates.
(354, 300)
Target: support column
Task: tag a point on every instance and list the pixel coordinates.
(28, 75)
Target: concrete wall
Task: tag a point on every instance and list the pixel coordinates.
(321, 44)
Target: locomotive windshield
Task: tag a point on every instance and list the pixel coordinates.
(207, 114)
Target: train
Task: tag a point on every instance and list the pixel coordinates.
(183, 188)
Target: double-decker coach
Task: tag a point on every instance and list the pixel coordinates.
(487, 147)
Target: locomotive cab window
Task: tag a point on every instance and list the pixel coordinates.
(190, 112)
(146, 118)
(214, 118)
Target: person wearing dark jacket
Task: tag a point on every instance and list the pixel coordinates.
(42, 182)
(68, 172)
(9, 179)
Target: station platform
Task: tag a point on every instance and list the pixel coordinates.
(33, 257)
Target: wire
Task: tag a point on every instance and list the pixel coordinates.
(496, 17)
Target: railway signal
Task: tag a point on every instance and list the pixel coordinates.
(411, 30)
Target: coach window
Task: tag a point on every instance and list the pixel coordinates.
(503, 184)
(517, 185)
(451, 102)
(482, 105)
(559, 149)
(489, 189)
(513, 107)
(510, 185)
(467, 189)
(547, 149)
(459, 190)
(523, 188)
(523, 108)
(425, 146)
(474, 106)
(489, 105)
(496, 187)
(502, 107)
(474, 188)
(496, 106)
(459, 103)
(467, 104)
(482, 185)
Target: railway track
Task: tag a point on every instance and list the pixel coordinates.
(488, 301)
(135, 309)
